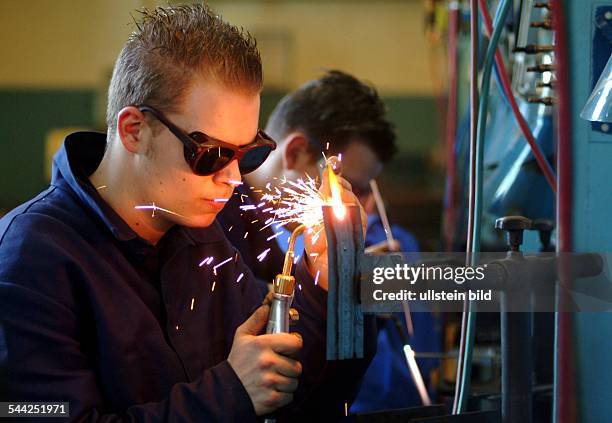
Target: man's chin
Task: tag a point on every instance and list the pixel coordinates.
(201, 221)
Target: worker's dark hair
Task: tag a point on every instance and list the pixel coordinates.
(173, 45)
(335, 108)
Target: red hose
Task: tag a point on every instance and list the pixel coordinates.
(450, 212)
(535, 149)
(565, 386)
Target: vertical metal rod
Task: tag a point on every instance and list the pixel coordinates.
(467, 319)
(565, 408)
(517, 364)
(382, 212)
(450, 211)
(516, 356)
(416, 375)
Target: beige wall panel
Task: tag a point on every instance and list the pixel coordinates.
(73, 43)
(383, 42)
(61, 43)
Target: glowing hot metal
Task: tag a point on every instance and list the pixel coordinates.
(336, 194)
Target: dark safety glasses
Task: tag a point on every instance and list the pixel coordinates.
(207, 155)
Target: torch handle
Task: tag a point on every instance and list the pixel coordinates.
(278, 320)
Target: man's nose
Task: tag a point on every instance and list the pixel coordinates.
(230, 174)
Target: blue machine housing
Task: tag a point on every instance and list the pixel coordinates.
(513, 183)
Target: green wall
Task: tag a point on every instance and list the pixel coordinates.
(26, 117)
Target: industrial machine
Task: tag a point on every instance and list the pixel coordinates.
(529, 153)
(522, 161)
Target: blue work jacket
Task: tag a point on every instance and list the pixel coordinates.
(92, 314)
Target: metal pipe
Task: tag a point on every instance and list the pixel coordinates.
(450, 211)
(476, 168)
(382, 212)
(416, 375)
(289, 256)
(517, 365)
(564, 403)
(522, 36)
(283, 289)
(467, 319)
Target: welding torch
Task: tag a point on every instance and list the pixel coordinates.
(283, 288)
(281, 313)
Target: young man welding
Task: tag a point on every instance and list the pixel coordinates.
(118, 291)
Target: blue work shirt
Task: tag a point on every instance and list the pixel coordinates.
(376, 233)
(92, 314)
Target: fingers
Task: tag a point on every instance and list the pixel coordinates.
(280, 383)
(379, 247)
(277, 363)
(346, 187)
(347, 194)
(287, 366)
(335, 163)
(276, 399)
(268, 298)
(282, 343)
(254, 324)
(324, 187)
(395, 246)
(384, 247)
(264, 363)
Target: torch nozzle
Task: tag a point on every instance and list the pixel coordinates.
(288, 264)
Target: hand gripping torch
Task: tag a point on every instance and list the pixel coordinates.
(281, 312)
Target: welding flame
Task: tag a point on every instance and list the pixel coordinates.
(300, 202)
(336, 194)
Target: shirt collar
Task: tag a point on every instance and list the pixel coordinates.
(76, 160)
(79, 156)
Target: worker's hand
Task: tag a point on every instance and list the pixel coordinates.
(264, 363)
(384, 247)
(316, 246)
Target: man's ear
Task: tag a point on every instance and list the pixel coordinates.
(295, 153)
(130, 123)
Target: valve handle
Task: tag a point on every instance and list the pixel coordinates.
(514, 226)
